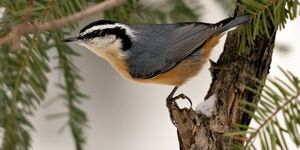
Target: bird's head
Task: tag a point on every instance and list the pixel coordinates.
(102, 34)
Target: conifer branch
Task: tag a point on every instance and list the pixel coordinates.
(9, 142)
(269, 119)
(282, 97)
(28, 11)
(21, 29)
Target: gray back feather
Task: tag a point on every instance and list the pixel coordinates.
(158, 48)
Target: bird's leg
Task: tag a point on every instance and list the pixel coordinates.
(171, 95)
(171, 98)
(171, 101)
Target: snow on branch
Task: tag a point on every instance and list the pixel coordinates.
(207, 107)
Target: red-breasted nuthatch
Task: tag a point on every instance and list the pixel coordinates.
(157, 53)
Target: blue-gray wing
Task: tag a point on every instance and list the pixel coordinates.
(161, 47)
(185, 40)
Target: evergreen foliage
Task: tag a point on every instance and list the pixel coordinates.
(279, 98)
(23, 75)
(267, 15)
(277, 115)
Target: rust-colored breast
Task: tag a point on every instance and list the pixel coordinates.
(114, 58)
(178, 75)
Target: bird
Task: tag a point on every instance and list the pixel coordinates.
(168, 54)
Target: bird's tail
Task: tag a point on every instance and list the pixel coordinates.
(229, 23)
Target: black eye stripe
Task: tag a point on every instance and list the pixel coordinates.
(117, 31)
(97, 33)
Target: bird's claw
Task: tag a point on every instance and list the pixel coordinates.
(171, 99)
(182, 96)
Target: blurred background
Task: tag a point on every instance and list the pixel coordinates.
(132, 116)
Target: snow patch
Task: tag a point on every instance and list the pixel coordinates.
(207, 107)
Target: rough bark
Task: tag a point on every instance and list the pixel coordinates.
(230, 74)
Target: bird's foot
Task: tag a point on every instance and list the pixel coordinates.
(171, 100)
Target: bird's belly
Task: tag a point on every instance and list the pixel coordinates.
(178, 75)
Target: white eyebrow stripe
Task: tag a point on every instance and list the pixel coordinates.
(109, 26)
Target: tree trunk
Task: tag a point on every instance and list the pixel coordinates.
(230, 75)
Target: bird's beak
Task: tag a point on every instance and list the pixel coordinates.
(70, 39)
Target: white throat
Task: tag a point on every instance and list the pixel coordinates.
(100, 46)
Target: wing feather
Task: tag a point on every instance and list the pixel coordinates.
(160, 57)
(167, 45)
(184, 42)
